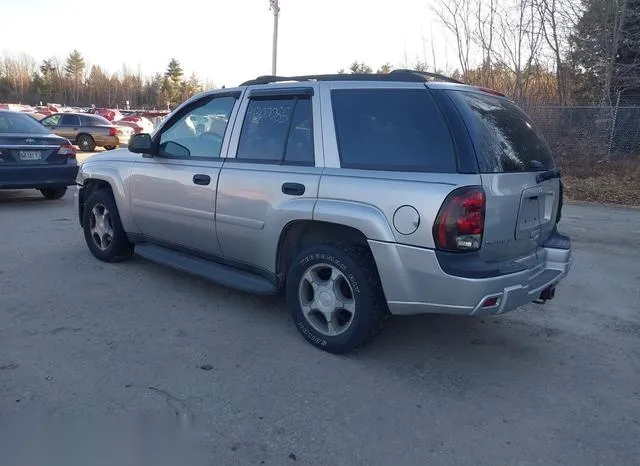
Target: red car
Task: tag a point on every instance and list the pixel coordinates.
(108, 113)
(139, 124)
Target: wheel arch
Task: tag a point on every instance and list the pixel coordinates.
(300, 234)
(93, 178)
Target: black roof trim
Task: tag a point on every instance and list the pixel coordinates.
(426, 74)
(394, 76)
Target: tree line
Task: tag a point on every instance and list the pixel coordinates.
(536, 51)
(72, 82)
(541, 51)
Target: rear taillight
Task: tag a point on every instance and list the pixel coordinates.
(113, 131)
(460, 223)
(67, 150)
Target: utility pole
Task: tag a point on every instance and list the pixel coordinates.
(273, 6)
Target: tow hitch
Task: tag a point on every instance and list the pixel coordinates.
(546, 295)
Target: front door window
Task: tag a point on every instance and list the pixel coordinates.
(200, 131)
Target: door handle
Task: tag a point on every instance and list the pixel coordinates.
(293, 189)
(201, 179)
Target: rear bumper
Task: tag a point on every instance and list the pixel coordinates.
(414, 281)
(42, 176)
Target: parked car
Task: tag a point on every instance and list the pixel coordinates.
(108, 113)
(35, 115)
(416, 194)
(139, 124)
(88, 131)
(32, 157)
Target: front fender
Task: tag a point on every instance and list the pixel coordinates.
(114, 177)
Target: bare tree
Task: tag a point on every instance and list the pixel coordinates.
(520, 38)
(548, 10)
(618, 12)
(456, 16)
(483, 36)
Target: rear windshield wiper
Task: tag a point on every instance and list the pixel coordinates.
(548, 175)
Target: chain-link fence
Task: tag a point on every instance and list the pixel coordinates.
(590, 132)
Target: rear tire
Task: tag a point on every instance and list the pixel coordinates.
(344, 278)
(53, 193)
(86, 143)
(109, 147)
(103, 230)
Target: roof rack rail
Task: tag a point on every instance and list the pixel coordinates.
(427, 74)
(395, 75)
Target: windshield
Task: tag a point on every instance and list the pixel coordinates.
(505, 138)
(15, 123)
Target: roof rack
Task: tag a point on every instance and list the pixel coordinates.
(426, 74)
(394, 76)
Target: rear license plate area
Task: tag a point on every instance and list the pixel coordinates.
(29, 155)
(529, 216)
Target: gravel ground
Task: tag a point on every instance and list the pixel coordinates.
(174, 370)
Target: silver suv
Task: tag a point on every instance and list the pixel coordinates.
(356, 196)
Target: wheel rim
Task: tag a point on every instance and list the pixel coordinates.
(327, 299)
(101, 227)
(84, 144)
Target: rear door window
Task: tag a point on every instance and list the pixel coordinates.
(392, 129)
(277, 130)
(69, 120)
(505, 138)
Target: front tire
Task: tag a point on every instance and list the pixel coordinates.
(86, 143)
(103, 230)
(335, 297)
(53, 193)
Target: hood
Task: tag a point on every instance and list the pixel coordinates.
(116, 155)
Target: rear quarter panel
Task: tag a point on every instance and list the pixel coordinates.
(353, 197)
(359, 191)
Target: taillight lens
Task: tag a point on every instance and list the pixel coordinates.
(113, 131)
(460, 223)
(67, 150)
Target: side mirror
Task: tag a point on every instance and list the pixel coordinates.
(141, 144)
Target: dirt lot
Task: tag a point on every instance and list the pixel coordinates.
(101, 344)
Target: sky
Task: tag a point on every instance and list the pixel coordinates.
(229, 41)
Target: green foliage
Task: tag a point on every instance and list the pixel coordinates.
(174, 89)
(605, 48)
(174, 71)
(73, 82)
(74, 65)
(357, 67)
(385, 69)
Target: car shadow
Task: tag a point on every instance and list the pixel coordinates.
(14, 196)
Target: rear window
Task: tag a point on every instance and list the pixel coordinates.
(93, 120)
(505, 138)
(391, 129)
(16, 123)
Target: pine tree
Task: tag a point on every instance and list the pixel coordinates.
(74, 69)
(171, 86)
